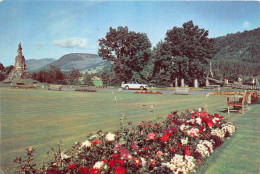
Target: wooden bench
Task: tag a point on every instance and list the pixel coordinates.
(242, 102)
(183, 90)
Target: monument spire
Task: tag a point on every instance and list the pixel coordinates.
(20, 71)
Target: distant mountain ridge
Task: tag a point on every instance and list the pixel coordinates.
(33, 64)
(241, 46)
(81, 61)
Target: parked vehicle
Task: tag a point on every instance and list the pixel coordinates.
(134, 85)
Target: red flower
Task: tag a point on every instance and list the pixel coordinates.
(165, 138)
(94, 171)
(83, 170)
(173, 149)
(120, 162)
(105, 160)
(116, 155)
(187, 110)
(137, 161)
(72, 166)
(146, 148)
(169, 134)
(204, 113)
(170, 115)
(201, 129)
(112, 163)
(179, 144)
(120, 170)
(209, 123)
(96, 142)
(187, 153)
(174, 130)
(216, 115)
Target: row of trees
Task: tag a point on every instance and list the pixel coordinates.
(184, 53)
(4, 71)
(55, 76)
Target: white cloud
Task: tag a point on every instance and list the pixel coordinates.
(246, 24)
(71, 42)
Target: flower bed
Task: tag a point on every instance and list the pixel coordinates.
(227, 93)
(175, 144)
(148, 92)
(85, 90)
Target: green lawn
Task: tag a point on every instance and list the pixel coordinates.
(43, 118)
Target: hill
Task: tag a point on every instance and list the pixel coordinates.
(241, 46)
(33, 64)
(81, 61)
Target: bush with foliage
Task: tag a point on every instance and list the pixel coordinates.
(175, 144)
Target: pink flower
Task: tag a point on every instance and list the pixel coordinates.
(151, 136)
(117, 147)
(124, 153)
(159, 153)
(140, 124)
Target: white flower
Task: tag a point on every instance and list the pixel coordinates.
(182, 127)
(193, 132)
(93, 136)
(205, 148)
(86, 144)
(218, 132)
(199, 109)
(178, 164)
(110, 137)
(98, 164)
(143, 161)
(64, 156)
(228, 127)
(184, 141)
(198, 120)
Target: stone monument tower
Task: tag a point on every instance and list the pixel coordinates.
(20, 71)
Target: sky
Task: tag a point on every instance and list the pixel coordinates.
(51, 29)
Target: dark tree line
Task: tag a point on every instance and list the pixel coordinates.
(4, 71)
(182, 54)
(55, 76)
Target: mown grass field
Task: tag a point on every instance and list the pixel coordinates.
(41, 119)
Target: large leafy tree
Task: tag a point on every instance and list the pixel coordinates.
(184, 53)
(73, 77)
(128, 51)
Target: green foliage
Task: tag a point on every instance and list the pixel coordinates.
(128, 52)
(234, 69)
(183, 54)
(242, 47)
(87, 79)
(52, 76)
(4, 71)
(73, 77)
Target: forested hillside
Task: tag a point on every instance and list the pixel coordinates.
(243, 47)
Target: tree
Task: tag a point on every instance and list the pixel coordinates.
(2, 67)
(87, 79)
(73, 77)
(128, 52)
(55, 75)
(8, 69)
(184, 53)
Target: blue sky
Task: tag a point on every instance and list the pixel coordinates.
(50, 29)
